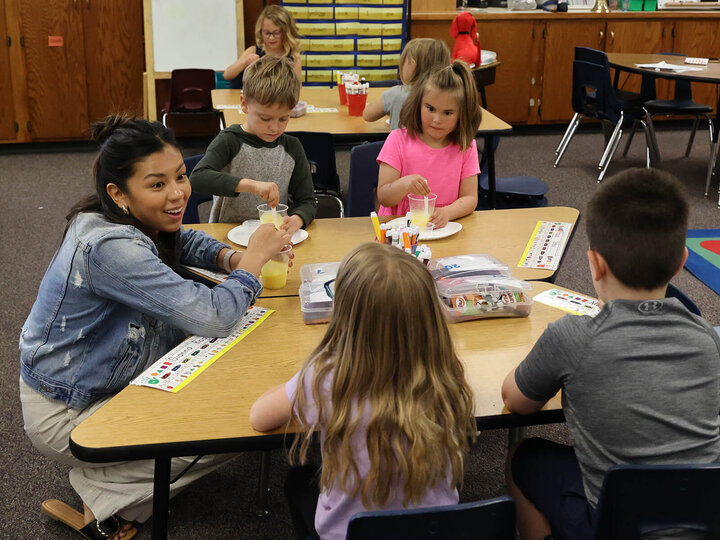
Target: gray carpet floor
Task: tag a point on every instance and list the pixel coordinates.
(38, 186)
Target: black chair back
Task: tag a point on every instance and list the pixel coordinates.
(673, 292)
(191, 210)
(363, 178)
(492, 519)
(320, 151)
(638, 499)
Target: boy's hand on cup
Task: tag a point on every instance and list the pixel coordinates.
(440, 217)
(292, 224)
(267, 191)
(416, 185)
(266, 241)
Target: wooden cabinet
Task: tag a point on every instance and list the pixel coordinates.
(7, 111)
(699, 38)
(533, 84)
(561, 38)
(75, 62)
(516, 89)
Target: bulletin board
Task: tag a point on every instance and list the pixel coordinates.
(189, 34)
(362, 36)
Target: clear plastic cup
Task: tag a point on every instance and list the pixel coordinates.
(274, 272)
(422, 209)
(267, 216)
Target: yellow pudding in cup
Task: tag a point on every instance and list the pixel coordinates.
(274, 272)
(277, 217)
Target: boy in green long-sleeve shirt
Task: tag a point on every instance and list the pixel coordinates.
(255, 162)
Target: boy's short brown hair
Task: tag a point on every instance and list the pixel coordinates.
(637, 220)
(271, 80)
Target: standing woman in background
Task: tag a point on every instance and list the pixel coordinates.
(110, 304)
(276, 35)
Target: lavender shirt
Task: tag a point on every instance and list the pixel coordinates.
(335, 507)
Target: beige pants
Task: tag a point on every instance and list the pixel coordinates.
(123, 488)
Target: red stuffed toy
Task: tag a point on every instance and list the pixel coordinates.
(467, 42)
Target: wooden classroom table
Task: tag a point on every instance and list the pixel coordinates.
(211, 415)
(501, 233)
(708, 74)
(354, 129)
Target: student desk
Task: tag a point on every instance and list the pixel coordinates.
(708, 74)
(502, 233)
(211, 415)
(354, 129)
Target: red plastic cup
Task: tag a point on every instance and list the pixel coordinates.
(356, 104)
(343, 94)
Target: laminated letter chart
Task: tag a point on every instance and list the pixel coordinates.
(546, 245)
(186, 361)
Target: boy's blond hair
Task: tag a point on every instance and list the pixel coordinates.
(271, 80)
(426, 53)
(388, 354)
(283, 19)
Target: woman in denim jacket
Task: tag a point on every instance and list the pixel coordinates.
(110, 304)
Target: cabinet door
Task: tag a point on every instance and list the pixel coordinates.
(517, 78)
(114, 56)
(55, 60)
(640, 37)
(699, 38)
(7, 111)
(561, 39)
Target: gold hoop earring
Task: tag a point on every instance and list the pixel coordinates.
(125, 209)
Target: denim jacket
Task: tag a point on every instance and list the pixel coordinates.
(108, 307)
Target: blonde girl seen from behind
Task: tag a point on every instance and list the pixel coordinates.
(275, 34)
(386, 390)
(435, 151)
(419, 56)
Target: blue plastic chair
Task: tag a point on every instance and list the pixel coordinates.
(492, 519)
(673, 292)
(363, 178)
(191, 210)
(511, 191)
(593, 95)
(638, 499)
(320, 151)
(384, 84)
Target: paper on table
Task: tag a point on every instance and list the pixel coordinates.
(664, 66)
(229, 106)
(314, 109)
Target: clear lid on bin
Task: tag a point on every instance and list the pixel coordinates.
(475, 264)
(317, 295)
(319, 272)
(448, 287)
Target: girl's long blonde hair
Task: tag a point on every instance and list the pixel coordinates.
(388, 354)
(427, 53)
(284, 20)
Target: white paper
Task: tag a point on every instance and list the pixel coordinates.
(664, 66)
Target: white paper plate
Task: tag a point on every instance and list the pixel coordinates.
(241, 234)
(448, 230)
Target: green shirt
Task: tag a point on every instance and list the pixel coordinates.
(235, 154)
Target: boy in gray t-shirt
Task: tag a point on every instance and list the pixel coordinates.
(640, 381)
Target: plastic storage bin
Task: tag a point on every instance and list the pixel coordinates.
(315, 302)
(321, 272)
(476, 264)
(477, 297)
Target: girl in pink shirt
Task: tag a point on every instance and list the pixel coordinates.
(435, 152)
(386, 391)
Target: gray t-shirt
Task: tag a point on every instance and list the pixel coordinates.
(640, 384)
(392, 101)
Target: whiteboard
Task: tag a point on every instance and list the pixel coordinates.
(194, 34)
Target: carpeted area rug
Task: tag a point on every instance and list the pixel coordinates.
(704, 256)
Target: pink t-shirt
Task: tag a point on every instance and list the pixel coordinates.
(335, 507)
(442, 167)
